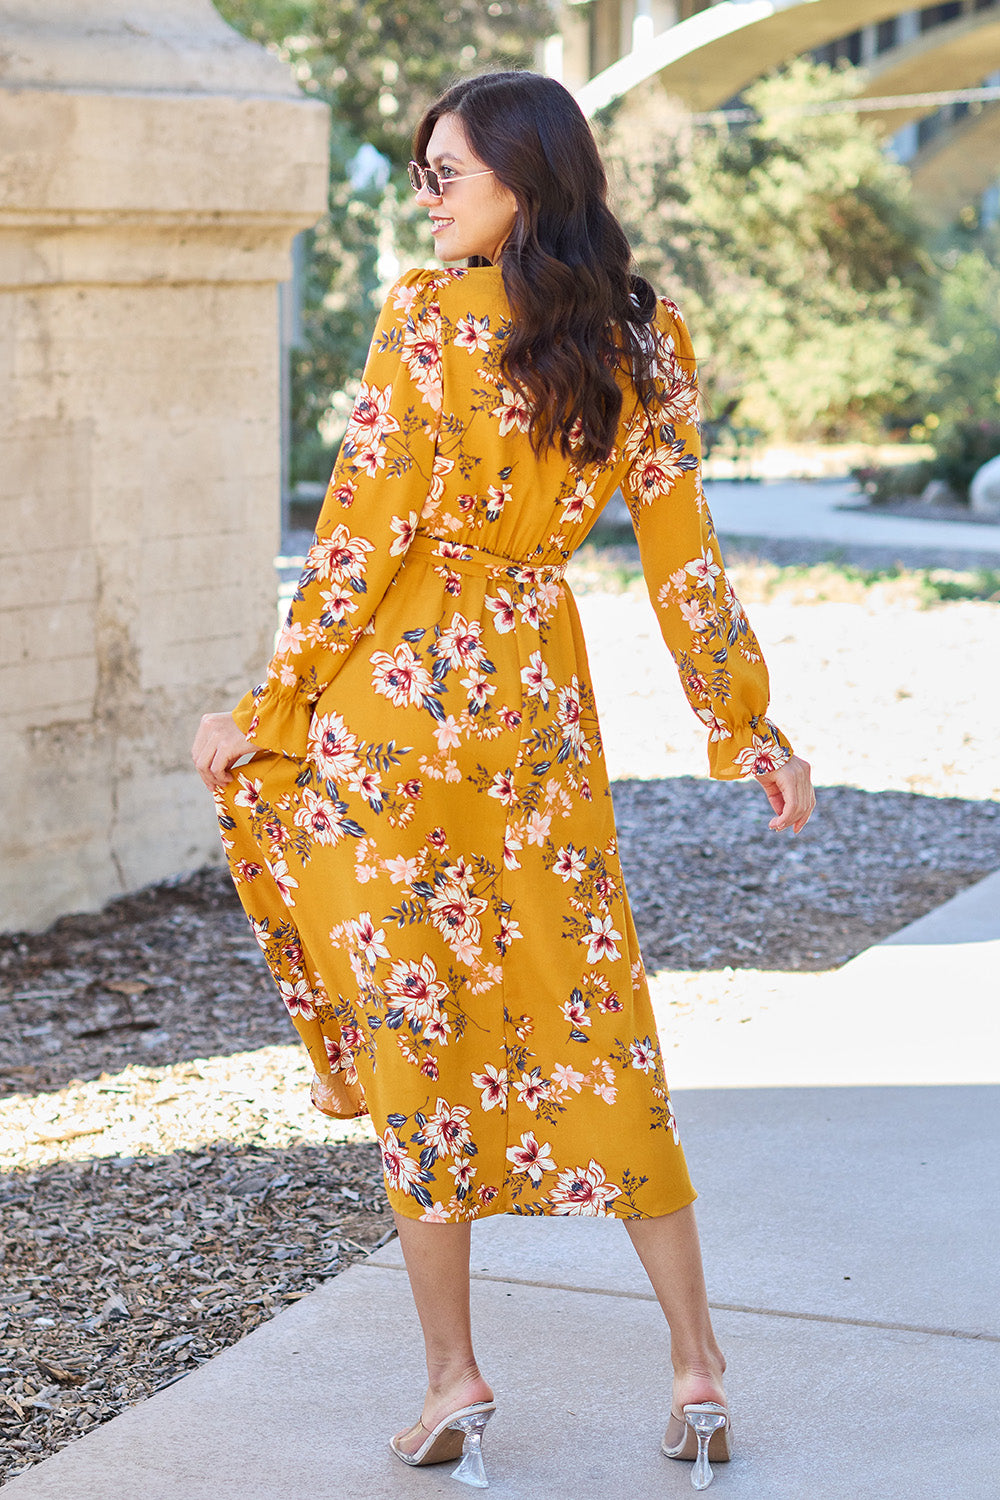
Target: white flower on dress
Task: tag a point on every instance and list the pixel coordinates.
(338, 603)
(537, 827)
(291, 639)
(405, 529)
(643, 1055)
(401, 1171)
(454, 912)
(460, 644)
(536, 679)
(369, 939)
(436, 1215)
(297, 996)
(693, 614)
(340, 556)
(318, 817)
(340, 1058)
(513, 840)
(401, 677)
(249, 793)
(422, 357)
(529, 611)
(762, 757)
(570, 863)
(704, 569)
(575, 1010)
(473, 333)
(331, 747)
(502, 607)
(601, 940)
(531, 1089)
(503, 788)
(718, 728)
(569, 718)
(512, 411)
(656, 473)
(286, 883)
(413, 987)
(448, 733)
(583, 1191)
(447, 1129)
(576, 505)
(401, 870)
(531, 1158)
(494, 1084)
(500, 495)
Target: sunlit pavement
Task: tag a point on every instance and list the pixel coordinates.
(842, 1129)
(845, 1141)
(832, 511)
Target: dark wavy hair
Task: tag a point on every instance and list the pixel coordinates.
(578, 311)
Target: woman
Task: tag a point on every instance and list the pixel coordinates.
(425, 840)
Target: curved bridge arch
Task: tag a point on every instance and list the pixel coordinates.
(956, 55)
(959, 164)
(707, 59)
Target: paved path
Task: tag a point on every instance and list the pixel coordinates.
(850, 1212)
(807, 520)
(832, 511)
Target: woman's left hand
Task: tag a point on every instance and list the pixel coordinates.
(789, 790)
(218, 743)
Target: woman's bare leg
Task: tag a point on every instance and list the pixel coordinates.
(437, 1263)
(671, 1255)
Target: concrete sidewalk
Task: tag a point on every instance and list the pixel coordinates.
(850, 1230)
(833, 511)
(806, 520)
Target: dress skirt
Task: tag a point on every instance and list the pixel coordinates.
(426, 845)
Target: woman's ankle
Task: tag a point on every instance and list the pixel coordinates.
(699, 1379)
(445, 1378)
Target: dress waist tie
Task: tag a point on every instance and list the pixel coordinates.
(463, 558)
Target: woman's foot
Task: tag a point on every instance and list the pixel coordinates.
(699, 1429)
(440, 1402)
(693, 1385)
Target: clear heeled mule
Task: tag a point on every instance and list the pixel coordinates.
(471, 1470)
(702, 1434)
(461, 1433)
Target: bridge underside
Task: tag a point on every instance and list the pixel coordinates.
(704, 61)
(955, 168)
(957, 55)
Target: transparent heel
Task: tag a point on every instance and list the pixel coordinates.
(461, 1433)
(705, 1423)
(471, 1470)
(702, 1434)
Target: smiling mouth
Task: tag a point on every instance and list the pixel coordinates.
(437, 224)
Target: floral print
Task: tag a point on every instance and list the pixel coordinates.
(425, 844)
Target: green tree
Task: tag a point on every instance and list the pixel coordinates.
(793, 247)
(378, 64)
(960, 403)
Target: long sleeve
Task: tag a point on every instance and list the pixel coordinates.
(380, 481)
(703, 624)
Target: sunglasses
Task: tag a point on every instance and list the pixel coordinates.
(426, 177)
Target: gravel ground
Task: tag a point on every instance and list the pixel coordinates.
(164, 1186)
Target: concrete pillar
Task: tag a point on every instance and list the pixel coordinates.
(154, 167)
(574, 59)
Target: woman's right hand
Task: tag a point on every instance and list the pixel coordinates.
(789, 790)
(218, 743)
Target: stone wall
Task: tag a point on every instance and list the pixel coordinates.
(154, 168)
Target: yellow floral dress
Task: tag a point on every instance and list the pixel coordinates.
(426, 846)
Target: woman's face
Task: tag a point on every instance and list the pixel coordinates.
(474, 216)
